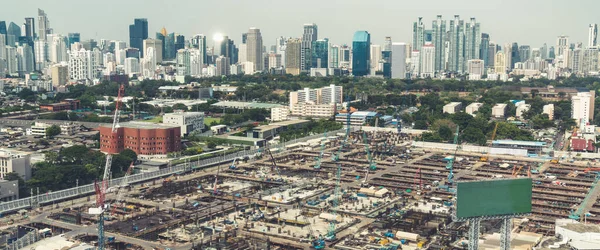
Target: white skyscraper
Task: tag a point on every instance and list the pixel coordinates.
(41, 53)
(12, 65)
(196, 62)
(254, 49)
(80, 65)
(375, 58)
(398, 60)
(308, 37)
(472, 40)
(562, 51)
(418, 33)
(184, 62)
(592, 35)
(415, 63)
(120, 52)
(43, 25)
(580, 107)
(334, 56)
(427, 62)
(132, 65)
(25, 59)
(242, 53)
(148, 63)
(475, 68)
(2, 49)
(108, 57)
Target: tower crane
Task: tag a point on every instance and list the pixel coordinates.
(372, 164)
(320, 157)
(102, 187)
(450, 164)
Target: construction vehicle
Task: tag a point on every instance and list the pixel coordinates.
(485, 158)
(274, 167)
(101, 187)
(216, 180)
(232, 166)
(575, 215)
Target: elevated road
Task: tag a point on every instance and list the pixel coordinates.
(28, 123)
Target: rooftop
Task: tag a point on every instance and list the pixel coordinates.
(185, 114)
(143, 125)
(582, 228)
(255, 105)
(520, 143)
(275, 125)
(500, 105)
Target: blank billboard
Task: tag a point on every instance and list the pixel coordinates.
(493, 198)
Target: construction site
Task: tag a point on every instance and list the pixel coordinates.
(355, 189)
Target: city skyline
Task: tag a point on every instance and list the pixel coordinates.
(522, 25)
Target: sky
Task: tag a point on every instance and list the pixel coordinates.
(531, 22)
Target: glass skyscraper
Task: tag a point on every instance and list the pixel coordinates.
(138, 32)
(74, 37)
(320, 53)
(361, 53)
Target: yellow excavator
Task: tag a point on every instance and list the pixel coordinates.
(485, 157)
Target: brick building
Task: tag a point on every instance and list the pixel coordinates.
(66, 104)
(146, 139)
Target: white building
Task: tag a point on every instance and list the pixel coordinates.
(132, 66)
(15, 161)
(326, 95)
(398, 60)
(69, 128)
(521, 109)
(279, 114)
(427, 66)
(275, 61)
(452, 107)
(58, 49)
(188, 121)
(549, 110)
(39, 128)
(473, 107)
(577, 235)
(475, 68)
(313, 110)
(415, 58)
(375, 58)
(499, 110)
(80, 65)
(581, 106)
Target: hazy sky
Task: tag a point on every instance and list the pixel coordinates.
(530, 22)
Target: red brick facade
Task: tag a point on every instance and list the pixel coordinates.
(67, 104)
(144, 141)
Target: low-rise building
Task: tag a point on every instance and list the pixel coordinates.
(15, 161)
(473, 107)
(218, 129)
(269, 131)
(549, 110)
(148, 140)
(357, 118)
(521, 109)
(280, 114)
(499, 110)
(452, 107)
(313, 110)
(39, 128)
(188, 121)
(66, 104)
(9, 190)
(69, 128)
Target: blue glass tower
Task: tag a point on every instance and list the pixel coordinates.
(138, 31)
(74, 38)
(361, 53)
(320, 49)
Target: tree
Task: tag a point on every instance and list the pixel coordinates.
(445, 133)
(180, 106)
(211, 144)
(129, 154)
(52, 131)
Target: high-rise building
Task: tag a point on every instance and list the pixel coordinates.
(398, 65)
(255, 49)
(472, 40)
(562, 51)
(524, 52)
(42, 53)
(515, 56)
(475, 67)
(320, 53)
(427, 62)
(80, 64)
(582, 107)
(25, 59)
(2, 54)
(3, 30)
(344, 57)
(590, 60)
(418, 33)
(414, 65)
(551, 53)
(138, 32)
(361, 53)
(387, 44)
(375, 58)
(43, 25)
(592, 35)
(500, 62)
(456, 59)
(74, 37)
(58, 49)
(30, 28)
(334, 56)
(199, 42)
(544, 51)
(491, 51)
(12, 65)
(158, 47)
(184, 65)
(12, 34)
(222, 64)
(439, 37)
(170, 52)
(60, 75)
(577, 61)
(484, 47)
(309, 36)
(275, 61)
(179, 42)
(229, 50)
(292, 56)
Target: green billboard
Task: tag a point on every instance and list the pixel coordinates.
(493, 198)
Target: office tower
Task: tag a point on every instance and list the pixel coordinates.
(120, 52)
(484, 47)
(491, 55)
(162, 36)
(387, 44)
(418, 33)
(361, 53)
(58, 49)
(308, 37)
(25, 59)
(544, 51)
(30, 28)
(42, 54)
(457, 42)
(196, 61)
(179, 42)
(551, 53)
(590, 60)
(344, 57)
(12, 67)
(133, 52)
(524, 53)
(183, 62)
(74, 37)
(535, 53)
(582, 107)
(138, 31)
(562, 51)
(2, 53)
(500, 62)
(199, 42)
(439, 37)
(223, 66)
(132, 66)
(229, 50)
(158, 47)
(280, 47)
(320, 53)
(43, 25)
(89, 44)
(386, 57)
(170, 52)
(398, 66)
(293, 56)
(577, 60)
(275, 61)
(3, 29)
(375, 58)
(507, 49)
(148, 63)
(254, 49)
(415, 65)
(472, 40)
(427, 61)
(243, 53)
(60, 75)
(515, 57)
(12, 34)
(334, 57)
(592, 35)
(475, 68)
(427, 36)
